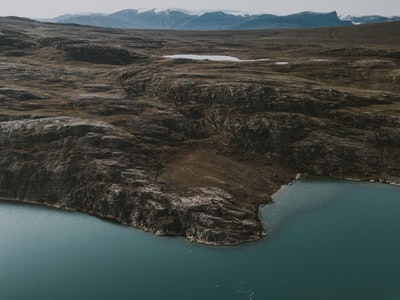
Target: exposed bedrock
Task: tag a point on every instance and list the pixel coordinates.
(97, 120)
(317, 131)
(126, 170)
(100, 169)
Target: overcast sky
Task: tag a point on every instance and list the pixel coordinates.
(53, 8)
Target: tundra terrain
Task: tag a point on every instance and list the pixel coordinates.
(98, 120)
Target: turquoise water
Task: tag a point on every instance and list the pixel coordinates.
(328, 240)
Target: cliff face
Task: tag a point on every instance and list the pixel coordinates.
(310, 129)
(98, 168)
(97, 120)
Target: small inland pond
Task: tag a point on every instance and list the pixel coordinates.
(328, 240)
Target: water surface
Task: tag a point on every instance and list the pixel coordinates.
(212, 57)
(329, 240)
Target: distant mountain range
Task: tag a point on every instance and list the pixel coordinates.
(180, 20)
(370, 19)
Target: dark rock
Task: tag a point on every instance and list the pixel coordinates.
(19, 95)
(13, 40)
(101, 54)
(185, 147)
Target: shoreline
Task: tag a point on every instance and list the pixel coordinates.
(264, 224)
(191, 148)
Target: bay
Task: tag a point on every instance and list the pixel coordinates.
(327, 240)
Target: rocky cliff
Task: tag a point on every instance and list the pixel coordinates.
(99, 121)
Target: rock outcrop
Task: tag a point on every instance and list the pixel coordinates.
(97, 168)
(98, 121)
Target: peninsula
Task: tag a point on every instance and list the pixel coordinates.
(109, 122)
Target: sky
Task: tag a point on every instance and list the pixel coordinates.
(53, 8)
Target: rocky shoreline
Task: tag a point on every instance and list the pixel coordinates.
(98, 121)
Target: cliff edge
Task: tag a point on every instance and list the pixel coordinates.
(98, 120)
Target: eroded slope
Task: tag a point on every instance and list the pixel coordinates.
(97, 120)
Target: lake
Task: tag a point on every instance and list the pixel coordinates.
(212, 57)
(328, 240)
